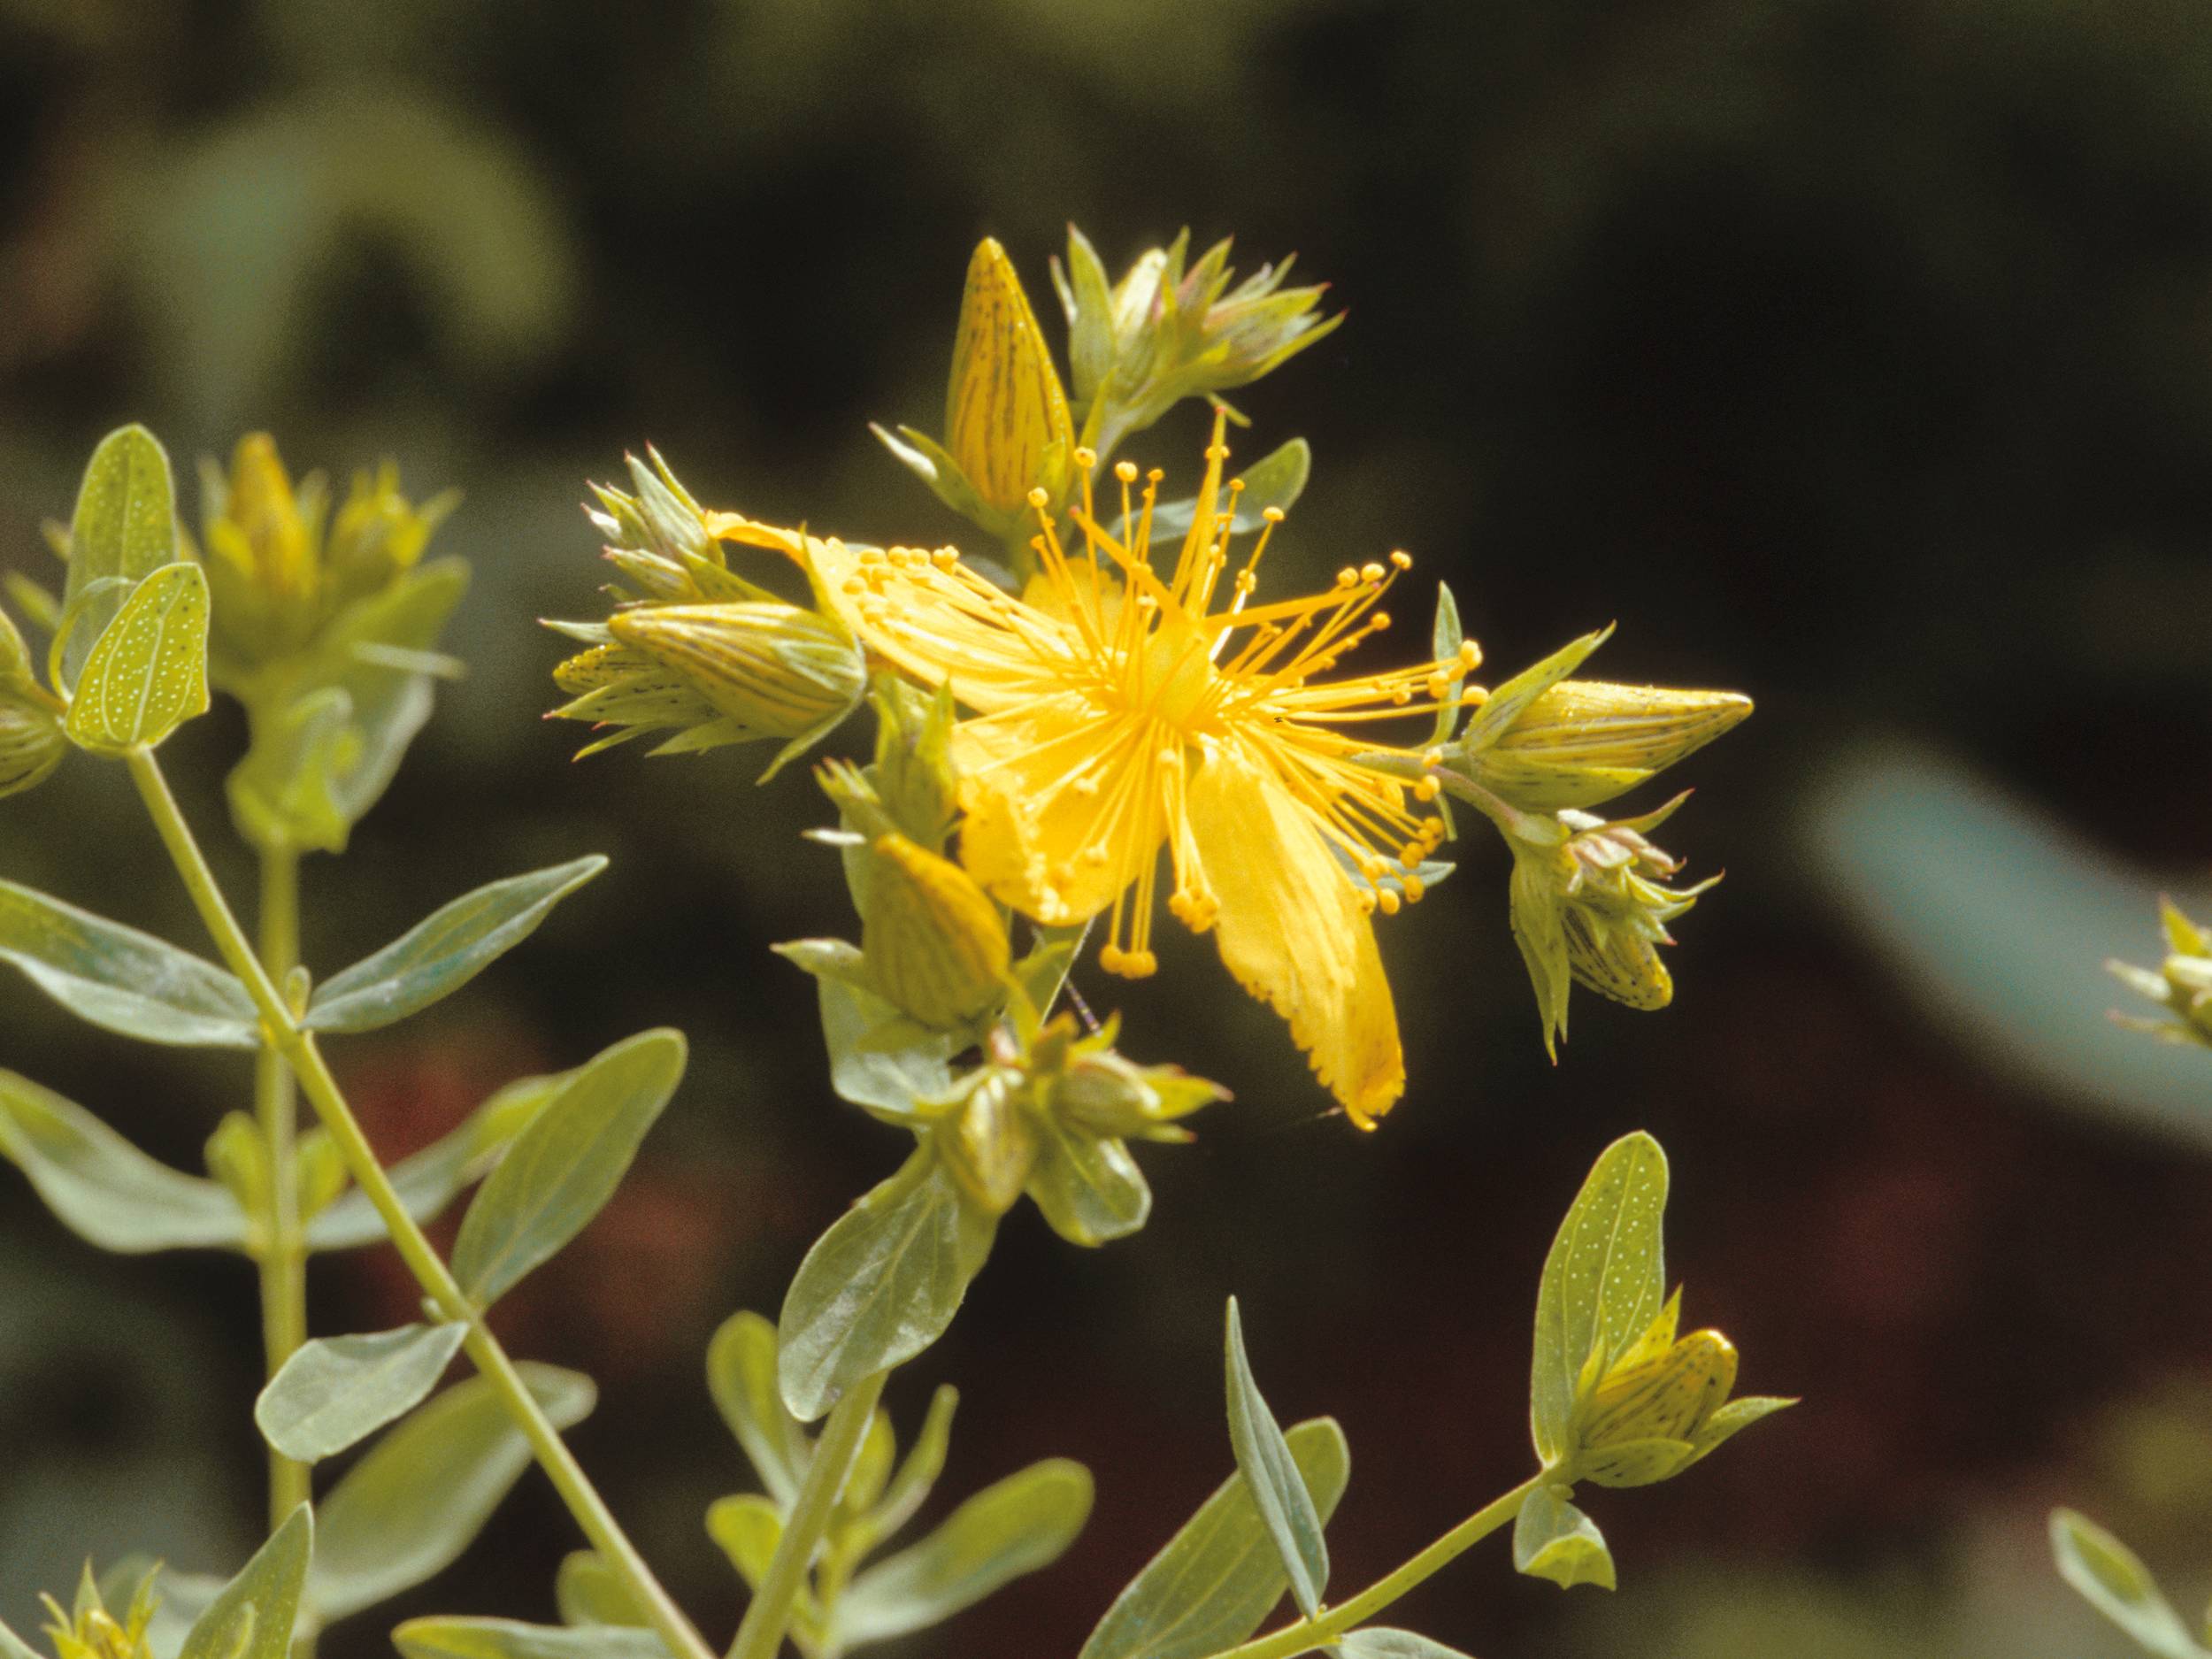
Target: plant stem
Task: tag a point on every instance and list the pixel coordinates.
(298, 1049)
(760, 1635)
(1307, 1634)
(282, 1257)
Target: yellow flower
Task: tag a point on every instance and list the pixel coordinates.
(1118, 710)
(1004, 410)
(88, 1631)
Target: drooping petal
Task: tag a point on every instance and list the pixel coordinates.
(1292, 930)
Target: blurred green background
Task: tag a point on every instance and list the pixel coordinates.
(1854, 353)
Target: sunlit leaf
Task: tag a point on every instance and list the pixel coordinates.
(253, 1617)
(124, 529)
(445, 951)
(2112, 1578)
(147, 673)
(121, 980)
(1286, 1509)
(880, 1286)
(1603, 1282)
(1015, 1526)
(334, 1390)
(104, 1188)
(741, 1377)
(563, 1168)
(1219, 1576)
(1553, 1539)
(408, 1508)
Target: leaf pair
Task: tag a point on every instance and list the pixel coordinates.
(558, 1173)
(1015, 1526)
(137, 986)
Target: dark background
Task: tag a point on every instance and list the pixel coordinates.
(1856, 354)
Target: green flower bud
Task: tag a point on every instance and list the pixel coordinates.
(1587, 905)
(33, 740)
(90, 1631)
(775, 669)
(936, 944)
(1006, 418)
(991, 1143)
(2182, 983)
(1101, 1094)
(1165, 333)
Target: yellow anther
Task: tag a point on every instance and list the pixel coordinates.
(1427, 789)
(1470, 653)
(1039, 496)
(1400, 696)
(1432, 757)
(1273, 515)
(1371, 572)
(1347, 578)
(1403, 559)
(1411, 854)
(1125, 470)
(1366, 901)
(1388, 901)
(1378, 621)
(1086, 458)
(1416, 889)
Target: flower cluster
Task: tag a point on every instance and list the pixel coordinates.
(2182, 984)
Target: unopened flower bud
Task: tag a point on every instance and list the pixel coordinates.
(263, 555)
(936, 945)
(991, 1143)
(776, 669)
(1007, 426)
(2183, 982)
(1584, 741)
(1101, 1094)
(90, 1631)
(32, 741)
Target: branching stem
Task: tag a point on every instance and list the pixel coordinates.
(297, 1049)
(1307, 1635)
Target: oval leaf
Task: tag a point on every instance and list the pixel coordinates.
(146, 674)
(253, 1617)
(1553, 1539)
(2114, 1580)
(124, 529)
(1013, 1527)
(563, 1168)
(741, 1377)
(104, 1188)
(878, 1287)
(1264, 1458)
(510, 1639)
(413, 1504)
(1090, 1191)
(1379, 1641)
(121, 980)
(748, 1526)
(332, 1392)
(589, 1592)
(445, 952)
(1219, 1576)
(428, 1181)
(1604, 1280)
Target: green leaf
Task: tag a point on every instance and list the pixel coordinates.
(748, 1527)
(121, 980)
(412, 1505)
(563, 1169)
(1379, 1641)
(589, 1592)
(1264, 1458)
(1509, 702)
(253, 1617)
(1445, 639)
(2112, 1578)
(124, 529)
(925, 1462)
(147, 674)
(428, 1181)
(1275, 480)
(1553, 1539)
(510, 1639)
(390, 705)
(886, 1080)
(1089, 1190)
(1219, 1576)
(1015, 1526)
(880, 1286)
(445, 952)
(741, 1377)
(283, 794)
(105, 1189)
(1603, 1282)
(13, 1646)
(335, 1390)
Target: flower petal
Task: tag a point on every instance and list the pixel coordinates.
(1054, 853)
(1293, 933)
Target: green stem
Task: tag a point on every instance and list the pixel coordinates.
(760, 1635)
(283, 1253)
(298, 1049)
(1307, 1634)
